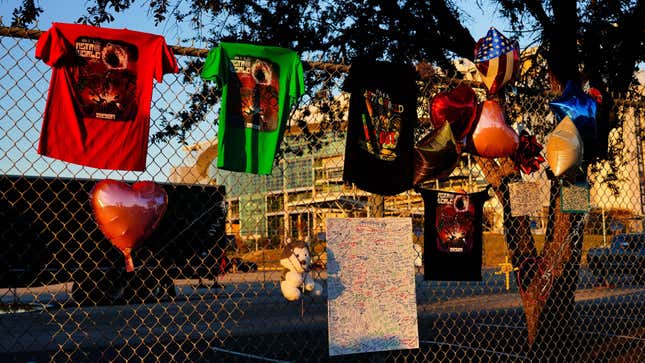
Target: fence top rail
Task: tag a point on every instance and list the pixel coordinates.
(34, 34)
(16, 32)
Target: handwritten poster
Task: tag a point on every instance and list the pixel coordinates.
(575, 198)
(525, 198)
(371, 285)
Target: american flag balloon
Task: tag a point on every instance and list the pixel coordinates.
(497, 59)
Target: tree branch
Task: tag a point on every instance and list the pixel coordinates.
(460, 41)
(537, 10)
(520, 242)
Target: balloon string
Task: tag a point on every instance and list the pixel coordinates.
(129, 265)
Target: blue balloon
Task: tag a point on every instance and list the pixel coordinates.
(581, 109)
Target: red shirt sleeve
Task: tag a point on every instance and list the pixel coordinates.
(51, 46)
(168, 63)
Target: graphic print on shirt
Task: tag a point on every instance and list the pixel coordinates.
(455, 223)
(381, 125)
(253, 93)
(106, 79)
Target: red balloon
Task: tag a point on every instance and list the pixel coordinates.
(492, 137)
(128, 215)
(457, 107)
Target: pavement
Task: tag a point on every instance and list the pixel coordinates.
(250, 305)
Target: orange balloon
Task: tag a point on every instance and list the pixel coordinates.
(492, 137)
(564, 147)
(126, 214)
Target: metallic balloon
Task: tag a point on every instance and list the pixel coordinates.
(436, 155)
(497, 59)
(492, 137)
(564, 147)
(458, 107)
(528, 156)
(128, 215)
(580, 108)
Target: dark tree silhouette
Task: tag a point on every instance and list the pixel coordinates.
(590, 42)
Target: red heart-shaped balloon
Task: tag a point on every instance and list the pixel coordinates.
(457, 107)
(128, 215)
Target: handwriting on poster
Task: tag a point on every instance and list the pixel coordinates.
(371, 285)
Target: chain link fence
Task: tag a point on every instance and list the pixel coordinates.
(206, 285)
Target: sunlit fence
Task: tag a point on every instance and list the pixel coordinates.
(206, 281)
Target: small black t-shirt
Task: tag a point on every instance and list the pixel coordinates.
(453, 235)
(381, 121)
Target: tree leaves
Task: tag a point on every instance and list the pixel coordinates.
(25, 14)
(595, 41)
(99, 14)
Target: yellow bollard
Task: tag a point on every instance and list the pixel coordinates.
(506, 268)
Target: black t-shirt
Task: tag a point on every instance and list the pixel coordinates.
(453, 235)
(380, 135)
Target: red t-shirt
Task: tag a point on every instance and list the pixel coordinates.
(98, 107)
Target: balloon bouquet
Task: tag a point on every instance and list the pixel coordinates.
(461, 123)
(497, 61)
(127, 215)
(575, 111)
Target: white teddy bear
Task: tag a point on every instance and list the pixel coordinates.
(296, 260)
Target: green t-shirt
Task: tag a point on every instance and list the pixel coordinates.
(260, 85)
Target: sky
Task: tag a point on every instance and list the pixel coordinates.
(24, 107)
(24, 93)
(478, 21)
(68, 11)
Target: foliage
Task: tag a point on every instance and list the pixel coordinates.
(599, 42)
(199, 105)
(99, 13)
(601, 39)
(25, 14)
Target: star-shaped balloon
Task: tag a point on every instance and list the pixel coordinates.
(497, 59)
(436, 155)
(564, 148)
(580, 108)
